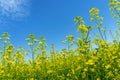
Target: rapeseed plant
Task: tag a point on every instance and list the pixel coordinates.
(81, 63)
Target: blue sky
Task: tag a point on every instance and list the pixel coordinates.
(53, 19)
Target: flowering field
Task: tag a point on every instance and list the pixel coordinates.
(92, 58)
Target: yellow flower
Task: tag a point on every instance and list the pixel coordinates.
(114, 57)
(11, 61)
(86, 46)
(1, 72)
(95, 41)
(103, 43)
(116, 70)
(43, 51)
(78, 18)
(80, 40)
(78, 68)
(42, 38)
(94, 10)
(91, 19)
(98, 78)
(83, 75)
(31, 78)
(111, 3)
(101, 23)
(90, 62)
(31, 44)
(81, 49)
(85, 29)
(118, 9)
(82, 27)
(85, 69)
(49, 71)
(61, 62)
(118, 3)
(40, 42)
(78, 58)
(94, 58)
(32, 36)
(70, 37)
(108, 66)
(5, 57)
(92, 69)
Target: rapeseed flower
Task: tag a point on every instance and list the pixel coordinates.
(5, 57)
(107, 66)
(83, 75)
(92, 70)
(98, 79)
(94, 11)
(118, 3)
(83, 28)
(49, 71)
(118, 9)
(43, 51)
(78, 68)
(40, 42)
(90, 62)
(103, 43)
(85, 69)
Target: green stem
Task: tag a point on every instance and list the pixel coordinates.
(98, 26)
(32, 55)
(105, 36)
(68, 45)
(87, 35)
(100, 33)
(4, 46)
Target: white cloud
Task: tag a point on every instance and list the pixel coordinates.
(14, 8)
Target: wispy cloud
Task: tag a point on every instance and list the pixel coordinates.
(14, 8)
